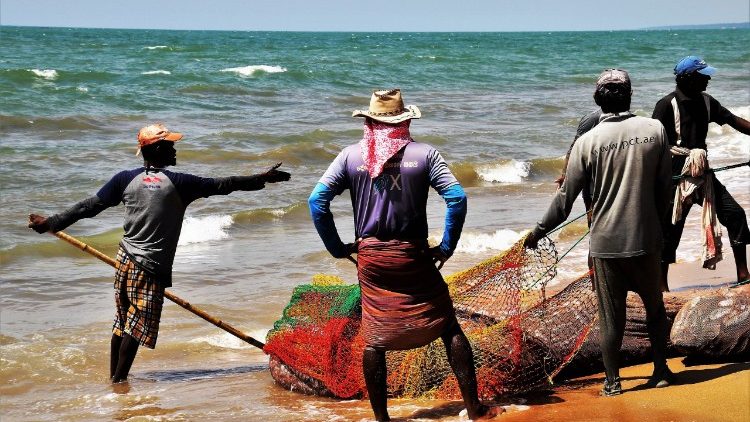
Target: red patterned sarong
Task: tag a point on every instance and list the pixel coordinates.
(405, 302)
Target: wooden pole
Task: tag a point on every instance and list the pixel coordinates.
(183, 303)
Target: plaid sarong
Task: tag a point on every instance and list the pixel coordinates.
(138, 300)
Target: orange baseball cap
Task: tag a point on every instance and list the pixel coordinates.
(155, 133)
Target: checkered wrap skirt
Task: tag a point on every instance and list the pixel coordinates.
(139, 298)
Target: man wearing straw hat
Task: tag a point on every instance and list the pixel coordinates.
(155, 200)
(625, 162)
(405, 302)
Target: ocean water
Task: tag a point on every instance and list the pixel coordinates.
(501, 107)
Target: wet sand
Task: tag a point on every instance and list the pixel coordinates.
(719, 392)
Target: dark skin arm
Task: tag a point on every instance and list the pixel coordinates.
(740, 124)
(38, 223)
(272, 175)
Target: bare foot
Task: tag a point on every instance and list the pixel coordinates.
(492, 411)
(485, 412)
(122, 387)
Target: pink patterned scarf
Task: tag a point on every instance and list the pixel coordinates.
(381, 142)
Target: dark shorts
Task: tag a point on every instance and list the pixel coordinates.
(139, 298)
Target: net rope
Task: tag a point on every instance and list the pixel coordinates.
(520, 337)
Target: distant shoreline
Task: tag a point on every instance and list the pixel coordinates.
(740, 25)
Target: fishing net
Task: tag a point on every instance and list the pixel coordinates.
(520, 337)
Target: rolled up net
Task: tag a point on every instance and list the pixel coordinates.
(520, 337)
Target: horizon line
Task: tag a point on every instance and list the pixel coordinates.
(728, 25)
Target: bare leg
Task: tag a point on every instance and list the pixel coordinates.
(373, 366)
(461, 359)
(114, 354)
(740, 260)
(126, 356)
(663, 279)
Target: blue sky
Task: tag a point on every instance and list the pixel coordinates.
(357, 15)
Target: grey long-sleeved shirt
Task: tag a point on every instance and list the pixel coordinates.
(155, 201)
(626, 163)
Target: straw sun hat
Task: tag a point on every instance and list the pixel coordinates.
(388, 107)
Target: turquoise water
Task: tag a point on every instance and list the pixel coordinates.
(501, 107)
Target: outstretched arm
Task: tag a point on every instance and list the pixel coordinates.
(320, 211)
(740, 124)
(87, 208)
(228, 185)
(192, 187)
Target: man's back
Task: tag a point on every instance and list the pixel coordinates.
(393, 205)
(625, 160)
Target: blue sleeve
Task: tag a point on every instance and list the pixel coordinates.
(455, 215)
(335, 176)
(319, 203)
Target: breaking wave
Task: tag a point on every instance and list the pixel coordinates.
(204, 229)
(49, 74)
(254, 70)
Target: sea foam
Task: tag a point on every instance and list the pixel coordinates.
(510, 172)
(49, 74)
(155, 47)
(229, 341)
(157, 72)
(204, 229)
(249, 71)
(482, 242)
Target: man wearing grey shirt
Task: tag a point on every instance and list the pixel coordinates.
(155, 200)
(625, 163)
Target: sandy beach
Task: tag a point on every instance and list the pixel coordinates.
(719, 392)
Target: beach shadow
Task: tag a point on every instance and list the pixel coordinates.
(535, 398)
(198, 374)
(693, 360)
(452, 409)
(696, 376)
(438, 412)
(578, 384)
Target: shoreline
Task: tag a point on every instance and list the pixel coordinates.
(691, 275)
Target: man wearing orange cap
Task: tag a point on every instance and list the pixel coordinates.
(155, 200)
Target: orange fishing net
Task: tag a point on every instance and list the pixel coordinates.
(520, 337)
